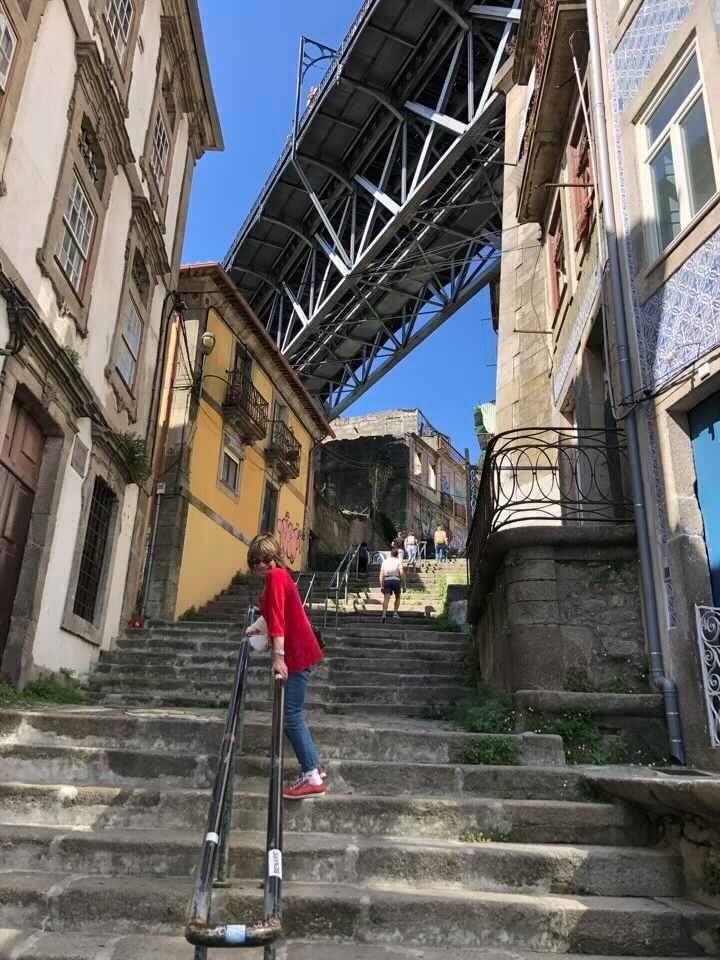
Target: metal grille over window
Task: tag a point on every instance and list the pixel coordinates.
(119, 14)
(131, 338)
(8, 42)
(94, 552)
(708, 637)
(160, 150)
(79, 222)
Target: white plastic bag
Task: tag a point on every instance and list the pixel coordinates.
(258, 635)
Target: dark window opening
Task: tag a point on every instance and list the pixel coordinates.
(94, 553)
(269, 514)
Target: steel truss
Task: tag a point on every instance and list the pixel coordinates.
(360, 247)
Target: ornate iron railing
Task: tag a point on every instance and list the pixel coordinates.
(549, 476)
(285, 443)
(243, 396)
(708, 636)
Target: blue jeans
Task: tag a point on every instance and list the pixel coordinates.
(296, 729)
(440, 551)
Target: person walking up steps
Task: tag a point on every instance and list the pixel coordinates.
(441, 544)
(392, 578)
(295, 651)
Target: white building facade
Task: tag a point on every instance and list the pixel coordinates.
(105, 108)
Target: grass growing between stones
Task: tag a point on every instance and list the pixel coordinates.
(477, 836)
(582, 738)
(578, 681)
(48, 690)
(492, 713)
(499, 752)
(711, 873)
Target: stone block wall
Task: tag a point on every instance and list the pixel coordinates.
(556, 609)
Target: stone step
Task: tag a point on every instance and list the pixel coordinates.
(169, 808)
(36, 945)
(388, 739)
(334, 858)
(129, 673)
(372, 914)
(334, 664)
(42, 763)
(218, 692)
(378, 636)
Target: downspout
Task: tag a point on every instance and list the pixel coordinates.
(658, 678)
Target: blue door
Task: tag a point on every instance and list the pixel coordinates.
(705, 435)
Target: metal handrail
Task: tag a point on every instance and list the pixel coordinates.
(214, 860)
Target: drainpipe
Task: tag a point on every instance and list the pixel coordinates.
(649, 592)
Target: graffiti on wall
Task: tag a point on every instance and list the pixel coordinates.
(291, 538)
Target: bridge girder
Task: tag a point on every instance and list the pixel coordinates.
(391, 228)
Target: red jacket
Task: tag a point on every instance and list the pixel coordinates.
(282, 608)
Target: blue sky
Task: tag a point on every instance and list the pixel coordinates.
(252, 47)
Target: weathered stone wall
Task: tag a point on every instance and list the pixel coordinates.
(344, 472)
(395, 423)
(553, 610)
(333, 532)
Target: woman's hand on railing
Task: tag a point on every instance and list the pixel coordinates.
(279, 667)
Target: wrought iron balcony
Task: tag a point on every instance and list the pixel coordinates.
(460, 512)
(283, 451)
(446, 503)
(549, 477)
(246, 409)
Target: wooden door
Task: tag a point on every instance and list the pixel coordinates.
(20, 460)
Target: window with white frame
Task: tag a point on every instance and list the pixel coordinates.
(230, 471)
(119, 17)
(78, 225)
(160, 151)
(8, 43)
(678, 157)
(130, 340)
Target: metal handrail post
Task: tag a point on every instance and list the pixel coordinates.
(274, 841)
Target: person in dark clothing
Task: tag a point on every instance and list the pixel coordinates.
(363, 559)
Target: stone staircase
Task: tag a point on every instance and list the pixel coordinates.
(413, 853)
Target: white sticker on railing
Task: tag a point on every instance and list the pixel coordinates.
(235, 933)
(275, 863)
(212, 838)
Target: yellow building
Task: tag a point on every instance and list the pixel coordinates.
(235, 440)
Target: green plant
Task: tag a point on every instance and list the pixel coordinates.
(477, 836)
(62, 688)
(134, 452)
(711, 873)
(72, 355)
(582, 738)
(492, 713)
(578, 681)
(496, 752)
(190, 614)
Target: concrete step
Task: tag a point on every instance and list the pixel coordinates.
(372, 914)
(389, 740)
(149, 806)
(36, 945)
(336, 858)
(42, 763)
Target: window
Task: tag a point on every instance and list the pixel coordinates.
(269, 513)
(79, 221)
(160, 151)
(556, 251)
(119, 15)
(581, 173)
(130, 340)
(8, 43)
(92, 564)
(678, 158)
(230, 471)
(241, 374)
(417, 464)
(432, 476)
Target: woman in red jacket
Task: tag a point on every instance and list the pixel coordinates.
(295, 651)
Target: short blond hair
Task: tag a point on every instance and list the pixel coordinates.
(263, 549)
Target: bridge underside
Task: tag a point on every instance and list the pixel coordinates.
(384, 216)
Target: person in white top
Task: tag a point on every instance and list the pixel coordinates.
(392, 578)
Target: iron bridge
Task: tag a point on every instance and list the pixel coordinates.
(383, 214)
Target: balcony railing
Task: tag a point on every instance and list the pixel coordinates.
(246, 408)
(460, 512)
(549, 477)
(284, 450)
(446, 503)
